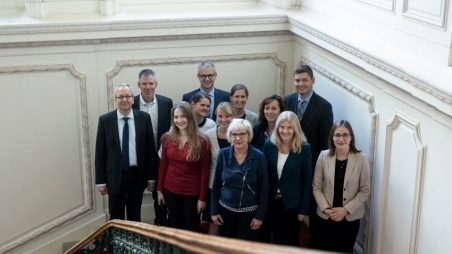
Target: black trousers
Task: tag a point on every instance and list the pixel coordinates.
(129, 197)
(182, 210)
(314, 227)
(284, 224)
(237, 225)
(337, 236)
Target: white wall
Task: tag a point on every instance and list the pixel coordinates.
(58, 73)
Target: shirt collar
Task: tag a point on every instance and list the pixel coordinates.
(307, 99)
(142, 102)
(212, 93)
(120, 116)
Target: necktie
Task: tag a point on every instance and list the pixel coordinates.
(208, 113)
(300, 110)
(125, 164)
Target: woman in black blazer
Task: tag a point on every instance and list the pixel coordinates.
(269, 110)
(290, 180)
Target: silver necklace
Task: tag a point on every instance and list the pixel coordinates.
(340, 166)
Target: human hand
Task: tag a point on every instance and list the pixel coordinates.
(201, 206)
(217, 220)
(160, 198)
(255, 224)
(151, 186)
(102, 189)
(338, 213)
(301, 217)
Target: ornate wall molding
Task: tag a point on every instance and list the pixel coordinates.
(387, 5)
(424, 87)
(143, 39)
(144, 25)
(372, 142)
(411, 128)
(88, 183)
(188, 60)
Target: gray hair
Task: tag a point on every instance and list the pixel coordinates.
(239, 124)
(123, 85)
(206, 64)
(147, 72)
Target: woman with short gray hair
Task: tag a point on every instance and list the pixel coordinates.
(240, 185)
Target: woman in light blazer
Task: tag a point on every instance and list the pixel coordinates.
(290, 181)
(218, 140)
(341, 185)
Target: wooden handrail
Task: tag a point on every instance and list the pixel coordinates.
(191, 241)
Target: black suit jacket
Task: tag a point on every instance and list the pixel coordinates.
(316, 122)
(220, 96)
(108, 151)
(165, 105)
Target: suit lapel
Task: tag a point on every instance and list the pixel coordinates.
(310, 108)
(138, 125)
(114, 124)
(350, 167)
(287, 164)
(331, 168)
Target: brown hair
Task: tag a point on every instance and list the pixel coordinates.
(194, 144)
(267, 100)
(332, 147)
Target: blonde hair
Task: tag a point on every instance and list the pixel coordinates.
(225, 107)
(298, 136)
(194, 144)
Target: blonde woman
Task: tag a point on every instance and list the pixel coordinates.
(341, 185)
(290, 180)
(218, 140)
(184, 169)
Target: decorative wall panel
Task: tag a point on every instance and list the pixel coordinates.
(432, 12)
(223, 59)
(383, 4)
(362, 138)
(50, 135)
(401, 187)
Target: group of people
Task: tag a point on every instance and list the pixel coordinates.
(252, 176)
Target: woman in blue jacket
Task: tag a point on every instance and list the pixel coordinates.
(240, 186)
(290, 180)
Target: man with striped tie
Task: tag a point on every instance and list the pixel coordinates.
(316, 118)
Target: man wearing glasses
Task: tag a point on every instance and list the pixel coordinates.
(316, 118)
(125, 156)
(207, 76)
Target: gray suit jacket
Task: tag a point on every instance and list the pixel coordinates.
(356, 184)
(211, 136)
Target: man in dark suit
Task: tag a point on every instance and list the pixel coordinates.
(159, 107)
(125, 156)
(316, 118)
(207, 76)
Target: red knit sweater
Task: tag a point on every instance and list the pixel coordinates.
(180, 176)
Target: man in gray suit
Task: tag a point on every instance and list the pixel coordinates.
(125, 157)
(159, 107)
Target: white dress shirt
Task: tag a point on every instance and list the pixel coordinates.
(152, 108)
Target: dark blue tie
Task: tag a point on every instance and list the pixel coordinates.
(125, 164)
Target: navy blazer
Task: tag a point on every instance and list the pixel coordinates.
(295, 184)
(316, 122)
(259, 136)
(241, 189)
(165, 105)
(220, 96)
(108, 151)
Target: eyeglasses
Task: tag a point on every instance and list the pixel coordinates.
(210, 76)
(122, 97)
(241, 135)
(344, 136)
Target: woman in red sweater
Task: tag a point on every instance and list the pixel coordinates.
(184, 169)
